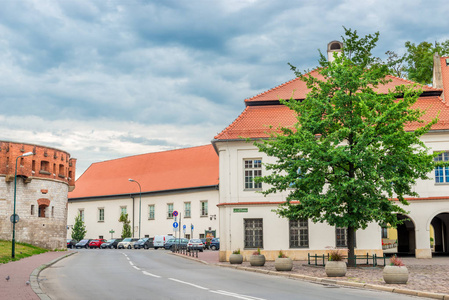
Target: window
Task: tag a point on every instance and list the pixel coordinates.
(45, 167)
(52, 211)
(170, 211)
(61, 170)
(442, 173)
(150, 212)
(253, 168)
(32, 209)
(201, 235)
(100, 214)
(101, 237)
(253, 233)
(42, 209)
(187, 210)
(187, 236)
(384, 232)
(341, 235)
(299, 233)
(123, 210)
(204, 210)
(81, 212)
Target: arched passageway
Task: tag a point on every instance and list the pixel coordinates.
(440, 243)
(406, 236)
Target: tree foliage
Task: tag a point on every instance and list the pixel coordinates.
(79, 229)
(126, 231)
(349, 152)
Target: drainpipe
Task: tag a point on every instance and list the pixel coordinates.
(132, 197)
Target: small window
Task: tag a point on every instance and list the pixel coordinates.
(170, 211)
(187, 236)
(32, 209)
(100, 214)
(147, 235)
(123, 210)
(33, 166)
(100, 237)
(384, 232)
(61, 171)
(187, 207)
(253, 233)
(204, 209)
(52, 211)
(341, 236)
(81, 212)
(45, 167)
(150, 212)
(253, 169)
(201, 235)
(42, 209)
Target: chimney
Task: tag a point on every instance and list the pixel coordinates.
(437, 76)
(334, 46)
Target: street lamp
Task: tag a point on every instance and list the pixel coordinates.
(140, 201)
(13, 250)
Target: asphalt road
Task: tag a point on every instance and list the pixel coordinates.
(157, 274)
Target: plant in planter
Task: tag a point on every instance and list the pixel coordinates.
(336, 266)
(236, 257)
(283, 263)
(396, 272)
(257, 259)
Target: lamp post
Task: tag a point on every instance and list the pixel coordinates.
(140, 201)
(13, 249)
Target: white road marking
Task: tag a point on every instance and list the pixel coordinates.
(131, 263)
(136, 268)
(236, 295)
(149, 274)
(188, 283)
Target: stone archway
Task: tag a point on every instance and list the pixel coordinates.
(440, 224)
(406, 236)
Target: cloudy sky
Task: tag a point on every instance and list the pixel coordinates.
(106, 79)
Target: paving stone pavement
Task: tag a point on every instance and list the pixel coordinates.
(19, 272)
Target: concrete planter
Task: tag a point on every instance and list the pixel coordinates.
(395, 274)
(236, 259)
(257, 260)
(283, 264)
(335, 268)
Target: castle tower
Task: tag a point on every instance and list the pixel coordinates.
(334, 46)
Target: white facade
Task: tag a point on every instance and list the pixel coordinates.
(160, 224)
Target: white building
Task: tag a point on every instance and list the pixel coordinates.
(183, 180)
(248, 220)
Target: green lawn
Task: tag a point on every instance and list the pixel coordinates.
(22, 250)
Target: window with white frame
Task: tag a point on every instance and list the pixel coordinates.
(299, 233)
(81, 212)
(442, 173)
(170, 211)
(123, 210)
(101, 214)
(253, 169)
(187, 209)
(253, 233)
(341, 237)
(204, 209)
(150, 212)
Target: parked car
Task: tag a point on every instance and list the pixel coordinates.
(176, 241)
(160, 240)
(195, 244)
(71, 243)
(127, 243)
(112, 243)
(83, 244)
(215, 244)
(144, 243)
(96, 243)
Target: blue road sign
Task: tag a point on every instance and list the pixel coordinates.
(191, 226)
(184, 226)
(175, 213)
(175, 224)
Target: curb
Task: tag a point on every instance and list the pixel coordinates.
(34, 277)
(334, 282)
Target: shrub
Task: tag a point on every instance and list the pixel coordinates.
(236, 251)
(257, 252)
(335, 255)
(395, 261)
(281, 254)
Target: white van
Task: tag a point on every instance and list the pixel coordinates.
(160, 240)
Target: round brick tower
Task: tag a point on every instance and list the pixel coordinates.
(43, 181)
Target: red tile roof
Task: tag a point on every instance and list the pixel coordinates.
(297, 89)
(160, 171)
(255, 121)
(445, 75)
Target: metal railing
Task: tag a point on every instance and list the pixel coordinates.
(320, 260)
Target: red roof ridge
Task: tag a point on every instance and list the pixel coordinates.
(281, 85)
(412, 82)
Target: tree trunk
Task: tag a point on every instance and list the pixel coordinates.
(351, 238)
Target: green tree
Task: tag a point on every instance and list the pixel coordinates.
(126, 231)
(79, 229)
(349, 153)
(419, 60)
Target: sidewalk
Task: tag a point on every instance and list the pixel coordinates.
(19, 273)
(426, 276)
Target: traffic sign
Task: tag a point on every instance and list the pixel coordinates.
(14, 218)
(175, 213)
(184, 226)
(191, 226)
(175, 224)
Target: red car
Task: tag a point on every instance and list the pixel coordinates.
(96, 243)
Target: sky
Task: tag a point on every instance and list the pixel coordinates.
(107, 79)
